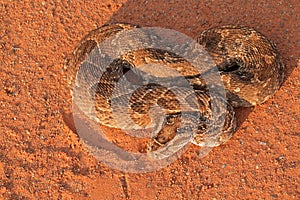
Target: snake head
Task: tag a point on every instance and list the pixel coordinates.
(176, 131)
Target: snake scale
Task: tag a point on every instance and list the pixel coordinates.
(249, 67)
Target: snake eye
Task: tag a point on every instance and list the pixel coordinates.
(170, 120)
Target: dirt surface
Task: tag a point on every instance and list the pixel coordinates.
(42, 158)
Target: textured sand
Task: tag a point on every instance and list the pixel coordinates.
(42, 158)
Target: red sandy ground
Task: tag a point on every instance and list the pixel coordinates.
(42, 158)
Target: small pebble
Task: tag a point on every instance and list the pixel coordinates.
(262, 143)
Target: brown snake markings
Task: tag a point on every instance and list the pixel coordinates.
(250, 70)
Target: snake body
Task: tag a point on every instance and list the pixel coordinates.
(249, 65)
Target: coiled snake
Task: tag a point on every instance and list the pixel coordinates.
(249, 68)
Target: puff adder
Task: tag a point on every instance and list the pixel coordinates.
(249, 66)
